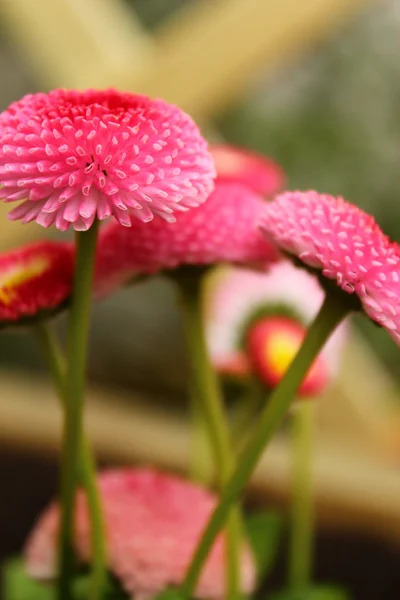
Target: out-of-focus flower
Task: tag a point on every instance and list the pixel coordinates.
(72, 156)
(255, 322)
(35, 280)
(272, 343)
(343, 242)
(153, 523)
(259, 173)
(223, 229)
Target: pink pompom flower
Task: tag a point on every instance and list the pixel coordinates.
(35, 280)
(223, 229)
(255, 322)
(344, 244)
(72, 156)
(259, 173)
(153, 522)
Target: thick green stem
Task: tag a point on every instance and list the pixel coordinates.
(86, 467)
(206, 391)
(77, 342)
(300, 554)
(329, 316)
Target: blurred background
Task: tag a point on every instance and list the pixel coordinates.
(314, 85)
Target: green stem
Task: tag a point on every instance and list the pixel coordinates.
(206, 391)
(300, 554)
(245, 413)
(200, 469)
(331, 313)
(77, 342)
(86, 468)
(54, 357)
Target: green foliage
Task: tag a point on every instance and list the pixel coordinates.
(264, 531)
(18, 586)
(152, 13)
(322, 592)
(169, 594)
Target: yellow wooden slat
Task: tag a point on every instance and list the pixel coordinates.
(363, 406)
(353, 488)
(202, 58)
(207, 54)
(77, 43)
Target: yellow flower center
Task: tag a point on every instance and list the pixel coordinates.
(279, 351)
(10, 281)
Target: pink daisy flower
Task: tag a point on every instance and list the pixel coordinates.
(254, 170)
(381, 300)
(345, 244)
(223, 229)
(255, 322)
(72, 156)
(34, 279)
(153, 523)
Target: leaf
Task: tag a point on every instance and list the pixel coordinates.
(169, 594)
(263, 530)
(111, 591)
(18, 586)
(322, 592)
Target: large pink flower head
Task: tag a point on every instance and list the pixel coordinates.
(223, 229)
(344, 244)
(259, 173)
(153, 522)
(255, 323)
(72, 156)
(35, 281)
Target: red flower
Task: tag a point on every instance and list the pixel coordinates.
(223, 229)
(72, 156)
(272, 343)
(33, 279)
(254, 170)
